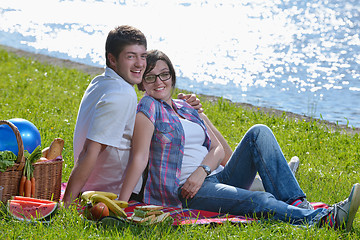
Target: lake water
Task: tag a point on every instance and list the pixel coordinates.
(301, 56)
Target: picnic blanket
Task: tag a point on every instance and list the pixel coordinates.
(185, 216)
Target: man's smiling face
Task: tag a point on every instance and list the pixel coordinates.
(130, 64)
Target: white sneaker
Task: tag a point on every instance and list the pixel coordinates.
(305, 205)
(345, 211)
(294, 164)
(258, 185)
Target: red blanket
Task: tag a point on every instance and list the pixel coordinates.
(184, 216)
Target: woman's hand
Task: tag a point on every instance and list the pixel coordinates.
(193, 183)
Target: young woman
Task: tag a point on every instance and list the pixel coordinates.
(184, 159)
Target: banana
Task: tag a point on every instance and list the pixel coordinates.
(85, 196)
(121, 204)
(95, 198)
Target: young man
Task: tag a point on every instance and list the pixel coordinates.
(105, 122)
(106, 116)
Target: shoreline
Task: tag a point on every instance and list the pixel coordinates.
(98, 70)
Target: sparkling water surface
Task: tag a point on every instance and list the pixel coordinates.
(299, 56)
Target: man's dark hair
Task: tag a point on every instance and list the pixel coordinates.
(120, 37)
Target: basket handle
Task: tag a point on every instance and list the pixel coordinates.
(20, 157)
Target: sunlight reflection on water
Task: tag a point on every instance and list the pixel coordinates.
(299, 56)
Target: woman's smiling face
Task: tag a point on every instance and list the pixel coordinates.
(159, 89)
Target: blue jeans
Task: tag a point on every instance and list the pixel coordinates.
(227, 191)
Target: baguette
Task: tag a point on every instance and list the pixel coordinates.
(44, 152)
(55, 149)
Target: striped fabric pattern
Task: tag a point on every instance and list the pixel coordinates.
(167, 148)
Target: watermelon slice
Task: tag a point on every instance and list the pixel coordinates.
(27, 210)
(31, 199)
(26, 203)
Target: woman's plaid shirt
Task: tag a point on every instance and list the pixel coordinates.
(167, 148)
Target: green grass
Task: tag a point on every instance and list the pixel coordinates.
(49, 97)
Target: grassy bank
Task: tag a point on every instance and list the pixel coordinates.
(49, 97)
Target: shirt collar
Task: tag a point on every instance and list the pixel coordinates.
(177, 103)
(109, 72)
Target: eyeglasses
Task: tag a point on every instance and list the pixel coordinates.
(152, 78)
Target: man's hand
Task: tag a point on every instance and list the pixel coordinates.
(192, 100)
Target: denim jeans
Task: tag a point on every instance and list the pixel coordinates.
(227, 191)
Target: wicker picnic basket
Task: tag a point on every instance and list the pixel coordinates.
(47, 174)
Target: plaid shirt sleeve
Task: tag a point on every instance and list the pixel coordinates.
(147, 107)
